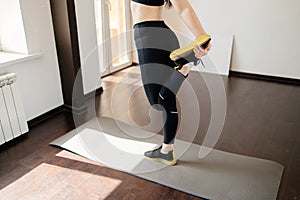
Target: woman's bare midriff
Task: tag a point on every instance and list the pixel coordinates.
(141, 13)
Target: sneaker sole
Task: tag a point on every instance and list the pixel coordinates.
(169, 163)
(202, 40)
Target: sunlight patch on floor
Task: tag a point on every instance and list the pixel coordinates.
(54, 182)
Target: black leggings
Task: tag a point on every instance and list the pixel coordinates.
(155, 41)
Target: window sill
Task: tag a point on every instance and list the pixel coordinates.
(7, 58)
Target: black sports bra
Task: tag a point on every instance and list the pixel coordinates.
(150, 2)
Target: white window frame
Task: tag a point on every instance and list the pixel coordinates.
(13, 44)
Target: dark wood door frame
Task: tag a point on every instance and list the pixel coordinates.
(66, 39)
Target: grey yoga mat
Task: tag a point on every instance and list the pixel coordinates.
(219, 176)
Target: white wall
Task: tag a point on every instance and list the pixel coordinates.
(38, 79)
(266, 33)
(87, 36)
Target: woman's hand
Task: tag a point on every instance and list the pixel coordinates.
(199, 51)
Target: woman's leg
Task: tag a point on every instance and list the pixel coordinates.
(159, 77)
(167, 98)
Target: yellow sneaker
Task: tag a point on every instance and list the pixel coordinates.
(181, 53)
(156, 155)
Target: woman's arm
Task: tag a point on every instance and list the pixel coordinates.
(189, 17)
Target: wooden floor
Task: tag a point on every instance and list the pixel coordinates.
(262, 120)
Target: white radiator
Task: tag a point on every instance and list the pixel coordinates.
(12, 116)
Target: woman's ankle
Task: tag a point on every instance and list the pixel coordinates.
(185, 70)
(167, 148)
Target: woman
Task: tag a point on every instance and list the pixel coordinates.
(155, 41)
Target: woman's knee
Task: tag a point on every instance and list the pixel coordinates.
(167, 99)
